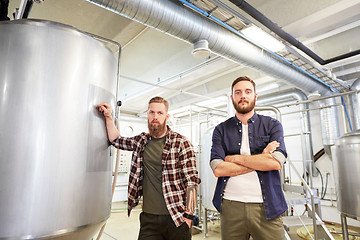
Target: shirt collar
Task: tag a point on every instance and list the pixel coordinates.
(252, 119)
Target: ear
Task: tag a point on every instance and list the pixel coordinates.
(256, 96)
(167, 116)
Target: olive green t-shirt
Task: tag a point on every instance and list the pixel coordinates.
(153, 197)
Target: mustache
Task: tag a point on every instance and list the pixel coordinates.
(155, 121)
(243, 100)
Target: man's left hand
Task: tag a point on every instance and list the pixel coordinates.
(271, 147)
(188, 222)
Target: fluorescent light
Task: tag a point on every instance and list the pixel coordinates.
(262, 38)
(267, 87)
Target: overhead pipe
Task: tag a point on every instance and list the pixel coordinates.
(271, 53)
(329, 125)
(355, 104)
(270, 108)
(246, 7)
(174, 19)
(180, 22)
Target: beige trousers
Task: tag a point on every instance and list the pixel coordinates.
(241, 220)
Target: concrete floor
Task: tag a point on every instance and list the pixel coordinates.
(121, 227)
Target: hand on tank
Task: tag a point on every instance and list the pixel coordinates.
(271, 147)
(105, 109)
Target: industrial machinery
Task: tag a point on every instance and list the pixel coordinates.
(346, 163)
(55, 163)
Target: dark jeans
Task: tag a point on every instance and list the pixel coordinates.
(161, 227)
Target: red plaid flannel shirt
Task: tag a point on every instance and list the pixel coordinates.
(179, 170)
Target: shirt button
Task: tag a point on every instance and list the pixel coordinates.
(240, 130)
(239, 144)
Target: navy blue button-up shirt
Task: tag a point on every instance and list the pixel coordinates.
(226, 140)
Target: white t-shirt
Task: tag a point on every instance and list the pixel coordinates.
(246, 187)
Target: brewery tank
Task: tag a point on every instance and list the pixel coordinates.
(55, 164)
(346, 163)
(208, 183)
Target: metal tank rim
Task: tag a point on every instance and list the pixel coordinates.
(353, 135)
(60, 26)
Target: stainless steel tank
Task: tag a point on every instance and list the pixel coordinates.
(55, 165)
(346, 163)
(208, 182)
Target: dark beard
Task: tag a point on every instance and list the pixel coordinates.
(244, 110)
(156, 130)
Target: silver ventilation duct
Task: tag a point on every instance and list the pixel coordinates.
(174, 19)
(355, 105)
(329, 123)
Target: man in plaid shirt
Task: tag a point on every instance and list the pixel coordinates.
(163, 172)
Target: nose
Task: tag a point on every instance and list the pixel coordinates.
(242, 95)
(155, 116)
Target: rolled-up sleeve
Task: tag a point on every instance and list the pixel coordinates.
(217, 150)
(277, 134)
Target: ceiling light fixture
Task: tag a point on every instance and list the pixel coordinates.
(261, 37)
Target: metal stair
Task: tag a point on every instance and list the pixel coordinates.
(305, 196)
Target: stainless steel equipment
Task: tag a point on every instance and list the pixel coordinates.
(55, 165)
(209, 180)
(346, 163)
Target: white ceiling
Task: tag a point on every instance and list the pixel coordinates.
(155, 63)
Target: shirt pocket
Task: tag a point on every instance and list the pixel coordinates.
(261, 142)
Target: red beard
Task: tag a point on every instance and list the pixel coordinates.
(244, 109)
(157, 129)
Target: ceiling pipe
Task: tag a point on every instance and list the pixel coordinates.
(246, 7)
(176, 20)
(276, 56)
(355, 104)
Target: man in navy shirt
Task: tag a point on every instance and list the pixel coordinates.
(247, 153)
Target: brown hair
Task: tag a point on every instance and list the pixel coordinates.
(242, 78)
(158, 99)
